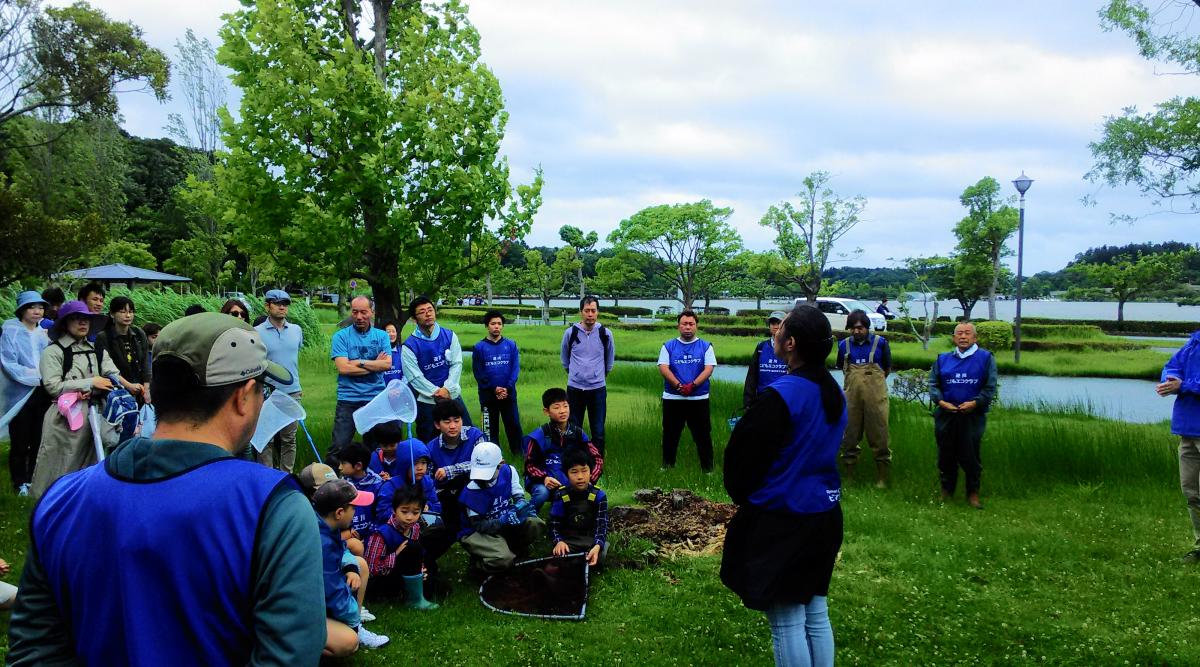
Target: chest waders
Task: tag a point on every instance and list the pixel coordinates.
(867, 408)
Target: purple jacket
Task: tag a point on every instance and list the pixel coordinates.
(587, 356)
(1185, 365)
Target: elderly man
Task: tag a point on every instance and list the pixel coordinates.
(361, 354)
(1181, 379)
(962, 383)
(283, 340)
(173, 551)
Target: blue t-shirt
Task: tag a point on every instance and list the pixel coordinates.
(283, 348)
(358, 345)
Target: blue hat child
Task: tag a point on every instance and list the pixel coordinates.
(30, 298)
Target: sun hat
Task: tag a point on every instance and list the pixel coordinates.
(29, 298)
(220, 349)
(484, 461)
(777, 316)
(276, 296)
(314, 475)
(72, 308)
(339, 493)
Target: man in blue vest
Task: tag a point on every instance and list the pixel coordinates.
(1181, 379)
(686, 363)
(361, 354)
(962, 384)
(587, 355)
(173, 551)
(432, 361)
(765, 367)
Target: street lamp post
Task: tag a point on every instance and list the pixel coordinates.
(1022, 184)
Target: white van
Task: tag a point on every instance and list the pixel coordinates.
(837, 308)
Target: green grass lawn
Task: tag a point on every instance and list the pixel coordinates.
(1074, 561)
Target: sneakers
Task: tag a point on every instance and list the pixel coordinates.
(368, 639)
(1191, 558)
(365, 615)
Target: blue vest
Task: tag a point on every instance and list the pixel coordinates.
(444, 457)
(497, 361)
(364, 517)
(961, 380)
(397, 371)
(431, 356)
(803, 478)
(488, 502)
(770, 367)
(391, 537)
(687, 362)
(156, 572)
(552, 450)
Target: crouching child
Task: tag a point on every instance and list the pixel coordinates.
(579, 513)
(334, 503)
(544, 447)
(395, 554)
(498, 524)
(414, 470)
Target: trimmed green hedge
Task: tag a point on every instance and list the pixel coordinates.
(995, 335)
(1078, 345)
(1128, 327)
(1074, 331)
(534, 310)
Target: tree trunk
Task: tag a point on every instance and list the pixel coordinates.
(967, 307)
(1120, 310)
(545, 310)
(992, 286)
(758, 302)
(489, 289)
(582, 291)
(616, 301)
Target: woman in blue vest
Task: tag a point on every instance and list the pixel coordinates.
(962, 384)
(781, 470)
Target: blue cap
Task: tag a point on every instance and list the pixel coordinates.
(29, 298)
(277, 295)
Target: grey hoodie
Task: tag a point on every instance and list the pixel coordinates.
(588, 363)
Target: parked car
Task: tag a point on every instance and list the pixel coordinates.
(837, 308)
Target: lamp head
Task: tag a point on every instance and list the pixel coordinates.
(1022, 183)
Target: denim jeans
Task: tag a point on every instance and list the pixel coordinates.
(595, 402)
(802, 634)
(538, 495)
(343, 429)
(425, 429)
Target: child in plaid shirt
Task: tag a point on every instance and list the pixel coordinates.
(394, 551)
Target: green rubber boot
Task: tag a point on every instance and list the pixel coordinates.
(414, 593)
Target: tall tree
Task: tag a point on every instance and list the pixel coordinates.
(204, 92)
(377, 157)
(692, 245)
(583, 244)
(1157, 152)
(615, 276)
(805, 234)
(1128, 276)
(547, 281)
(72, 59)
(983, 235)
(24, 250)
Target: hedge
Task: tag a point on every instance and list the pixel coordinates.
(534, 310)
(994, 335)
(1078, 345)
(1127, 328)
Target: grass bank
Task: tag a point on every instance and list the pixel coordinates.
(1073, 561)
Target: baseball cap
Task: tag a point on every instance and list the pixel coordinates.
(220, 349)
(339, 493)
(277, 295)
(314, 475)
(777, 316)
(484, 461)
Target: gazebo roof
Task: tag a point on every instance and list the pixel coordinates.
(123, 273)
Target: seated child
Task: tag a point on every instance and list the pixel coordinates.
(394, 550)
(451, 454)
(498, 525)
(334, 503)
(383, 460)
(544, 448)
(352, 464)
(579, 513)
(413, 456)
(311, 478)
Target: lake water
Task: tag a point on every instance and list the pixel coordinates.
(1005, 310)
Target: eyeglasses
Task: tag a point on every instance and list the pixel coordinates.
(236, 313)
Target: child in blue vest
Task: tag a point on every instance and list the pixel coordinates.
(383, 460)
(395, 552)
(414, 470)
(544, 449)
(334, 503)
(352, 465)
(451, 452)
(579, 514)
(498, 525)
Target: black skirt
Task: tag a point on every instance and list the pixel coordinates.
(779, 557)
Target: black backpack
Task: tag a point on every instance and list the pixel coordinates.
(604, 340)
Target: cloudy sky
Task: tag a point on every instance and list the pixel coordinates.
(632, 103)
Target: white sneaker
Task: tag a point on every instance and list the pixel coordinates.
(24, 490)
(368, 639)
(365, 615)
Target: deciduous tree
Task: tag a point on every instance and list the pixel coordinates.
(1125, 277)
(983, 236)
